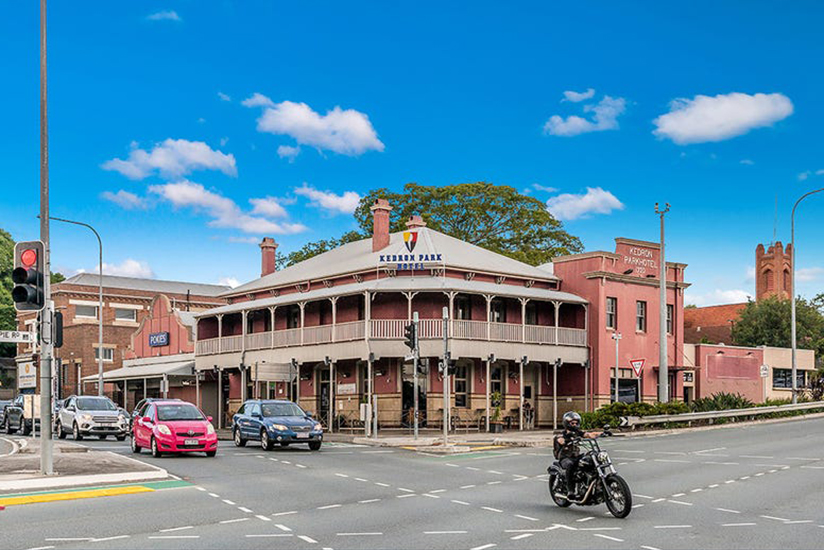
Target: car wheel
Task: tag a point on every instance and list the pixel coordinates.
(239, 440)
(314, 445)
(284, 443)
(9, 429)
(59, 429)
(211, 453)
(155, 451)
(120, 437)
(76, 431)
(135, 446)
(101, 437)
(265, 442)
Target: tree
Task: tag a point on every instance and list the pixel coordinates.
(495, 217)
(767, 323)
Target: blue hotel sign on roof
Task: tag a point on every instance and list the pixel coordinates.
(410, 261)
(158, 339)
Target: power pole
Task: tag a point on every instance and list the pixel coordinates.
(415, 358)
(46, 336)
(617, 337)
(445, 366)
(663, 370)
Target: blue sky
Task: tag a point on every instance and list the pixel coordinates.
(712, 107)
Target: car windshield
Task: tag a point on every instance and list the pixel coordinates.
(281, 409)
(95, 404)
(173, 413)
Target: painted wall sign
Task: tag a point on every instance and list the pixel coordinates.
(159, 339)
(347, 389)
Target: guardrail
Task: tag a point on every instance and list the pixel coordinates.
(632, 421)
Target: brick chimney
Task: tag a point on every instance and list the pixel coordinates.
(380, 224)
(268, 250)
(415, 222)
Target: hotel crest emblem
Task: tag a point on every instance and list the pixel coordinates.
(410, 239)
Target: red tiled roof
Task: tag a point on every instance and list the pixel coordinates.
(712, 316)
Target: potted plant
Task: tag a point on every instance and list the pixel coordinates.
(495, 424)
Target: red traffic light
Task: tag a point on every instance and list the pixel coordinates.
(28, 257)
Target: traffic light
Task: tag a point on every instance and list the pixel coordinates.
(410, 333)
(423, 366)
(451, 366)
(28, 277)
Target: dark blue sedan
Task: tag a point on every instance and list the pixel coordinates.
(275, 421)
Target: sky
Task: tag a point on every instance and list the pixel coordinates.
(186, 131)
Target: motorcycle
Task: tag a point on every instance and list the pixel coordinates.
(595, 478)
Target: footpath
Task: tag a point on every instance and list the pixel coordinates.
(74, 465)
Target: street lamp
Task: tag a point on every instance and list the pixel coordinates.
(100, 301)
(617, 337)
(663, 370)
(792, 296)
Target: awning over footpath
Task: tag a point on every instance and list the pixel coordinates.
(179, 368)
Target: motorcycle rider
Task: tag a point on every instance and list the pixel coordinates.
(567, 450)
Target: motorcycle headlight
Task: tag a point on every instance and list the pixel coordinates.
(210, 429)
(318, 428)
(279, 427)
(163, 429)
(603, 457)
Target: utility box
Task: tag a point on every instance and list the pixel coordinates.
(365, 412)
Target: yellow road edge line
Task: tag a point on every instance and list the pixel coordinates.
(487, 448)
(36, 499)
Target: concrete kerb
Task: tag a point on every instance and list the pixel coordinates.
(60, 482)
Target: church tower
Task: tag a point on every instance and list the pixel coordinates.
(773, 270)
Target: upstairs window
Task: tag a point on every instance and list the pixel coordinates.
(85, 312)
(123, 314)
(612, 312)
(670, 313)
(640, 316)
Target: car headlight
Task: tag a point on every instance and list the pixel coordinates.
(318, 428)
(162, 428)
(85, 418)
(122, 419)
(603, 457)
(210, 429)
(279, 427)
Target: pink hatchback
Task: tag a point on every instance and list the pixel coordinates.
(174, 427)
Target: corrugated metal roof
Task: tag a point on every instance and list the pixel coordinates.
(399, 284)
(147, 285)
(358, 257)
(147, 371)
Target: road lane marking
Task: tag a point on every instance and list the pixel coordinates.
(42, 548)
(672, 527)
(453, 465)
(177, 529)
(730, 481)
(445, 532)
(637, 505)
(709, 450)
(358, 534)
(659, 499)
(627, 451)
(300, 465)
(756, 456)
(271, 535)
(407, 495)
(229, 502)
(600, 529)
(283, 527)
(812, 467)
(607, 537)
(484, 547)
(802, 458)
(405, 490)
(431, 496)
(738, 524)
(670, 453)
(680, 502)
(526, 517)
(329, 506)
(728, 510)
(214, 495)
(381, 484)
(650, 548)
(244, 509)
(696, 490)
(798, 521)
(263, 518)
(438, 491)
(641, 496)
(168, 537)
(468, 486)
(713, 486)
(742, 478)
(199, 488)
(369, 500)
(285, 461)
(582, 520)
(491, 509)
(493, 482)
(361, 479)
(721, 463)
(775, 518)
(69, 539)
(461, 502)
(234, 520)
(341, 475)
(307, 539)
(523, 536)
(671, 460)
(116, 537)
(676, 495)
(495, 472)
(285, 513)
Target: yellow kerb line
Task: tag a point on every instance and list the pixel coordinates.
(73, 495)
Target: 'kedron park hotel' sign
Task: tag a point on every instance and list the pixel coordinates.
(410, 261)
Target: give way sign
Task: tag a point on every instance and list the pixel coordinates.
(637, 366)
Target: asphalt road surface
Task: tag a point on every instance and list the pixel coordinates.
(757, 486)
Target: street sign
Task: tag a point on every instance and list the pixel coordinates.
(16, 336)
(637, 366)
(765, 371)
(26, 375)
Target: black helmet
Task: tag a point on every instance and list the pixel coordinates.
(570, 417)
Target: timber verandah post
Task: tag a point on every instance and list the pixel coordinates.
(302, 306)
(489, 298)
(557, 316)
(334, 300)
(219, 332)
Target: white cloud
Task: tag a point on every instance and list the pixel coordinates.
(127, 268)
(804, 175)
(171, 159)
(124, 199)
(717, 297)
(287, 151)
(224, 211)
(569, 206)
(347, 132)
(720, 117)
(807, 274)
(224, 97)
(605, 117)
(544, 188)
(748, 162)
(575, 97)
(228, 281)
(244, 240)
(269, 206)
(257, 100)
(344, 204)
(167, 15)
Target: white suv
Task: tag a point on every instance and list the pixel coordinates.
(91, 415)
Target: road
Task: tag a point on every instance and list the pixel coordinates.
(747, 487)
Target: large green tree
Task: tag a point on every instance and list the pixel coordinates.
(495, 217)
(767, 322)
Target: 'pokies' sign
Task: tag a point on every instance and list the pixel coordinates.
(158, 339)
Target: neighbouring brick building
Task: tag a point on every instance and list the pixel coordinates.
(126, 303)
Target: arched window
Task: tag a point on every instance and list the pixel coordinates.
(768, 280)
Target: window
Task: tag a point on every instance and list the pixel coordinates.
(461, 387)
(532, 313)
(108, 354)
(122, 314)
(641, 316)
(783, 378)
(496, 382)
(497, 311)
(293, 316)
(88, 312)
(463, 307)
(612, 313)
(670, 313)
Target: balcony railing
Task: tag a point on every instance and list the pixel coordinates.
(393, 329)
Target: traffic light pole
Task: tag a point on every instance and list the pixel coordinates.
(46, 349)
(415, 354)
